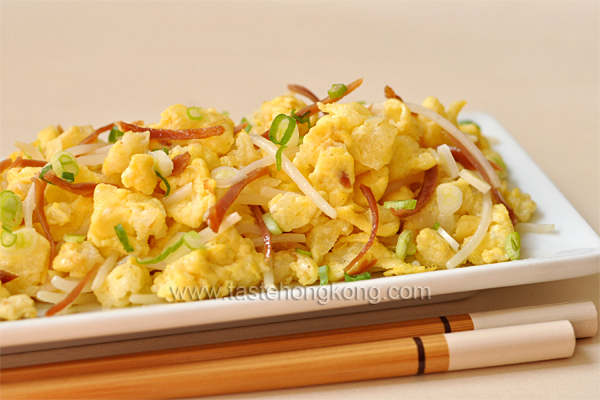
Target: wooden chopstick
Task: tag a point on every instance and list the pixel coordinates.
(350, 362)
(583, 316)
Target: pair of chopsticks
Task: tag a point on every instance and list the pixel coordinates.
(429, 345)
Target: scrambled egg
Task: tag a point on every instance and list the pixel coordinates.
(123, 281)
(384, 147)
(141, 217)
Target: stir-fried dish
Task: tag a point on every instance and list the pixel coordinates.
(301, 192)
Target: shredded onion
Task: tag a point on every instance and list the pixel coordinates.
(461, 140)
(184, 134)
(29, 149)
(177, 195)
(281, 238)
(536, 228)
(475, 240)
(448, 162)
(104, 270)
(350, 270)
(295, 175)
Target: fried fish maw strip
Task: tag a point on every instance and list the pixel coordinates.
(6, 277)
(6, 164)
(73, 294)
(304, 91)
(94, 136)
(359, 269)
(218, 211)
(460, 157)
(170, 134)
(314, 108)
(239, 127)
(266, 233)
(180, 163)
(85, 189)
(40, 216)
(390, 94)
(21, 162)
(425, 194)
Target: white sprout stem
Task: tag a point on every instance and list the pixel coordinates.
(177, 195)
(474, 181)
(86, 148)
(459, 136)
(536, 228)
(29, 149)
(486, 218)
(295, 175)
(91, 159)
(269, 277)
(67, 285)
(263, 162)
(29, 206)
(104, 270)
(252, 199)
(234, 176)
(244, 229)
(282, 238)
(270, 192)
(446, 236)
(448, 161)
(207, 234)
(145, 299)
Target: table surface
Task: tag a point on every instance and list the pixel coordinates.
(532, 65)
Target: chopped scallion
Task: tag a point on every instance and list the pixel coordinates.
(513, 246)
(165, 181)
(337, 90)
(302, 119)
(304, 252)
(225, 113)
(466, 122)
(248, 126)
(436, 226)
(359, 277)
(11, 209)
(271, 224)
(401, 204)
(123, 238)
(63, 161)
(115, 134)
(282, 129)
(163, 149)
(44, 171)
(194, 113)
(68, 176)
(278, 157)
(404, 241)
(8, 238)
(73, 238)
(323, 274)
(191, 239)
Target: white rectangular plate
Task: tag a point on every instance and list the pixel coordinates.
(573, 250)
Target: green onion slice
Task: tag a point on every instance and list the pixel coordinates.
(8, 238)
(73, 238)
(404, 240)
(191, 239)
(466, 122)
(337, 90)
(271, 224)
(163, 149)
(300, 140)
(359, 277)
(513, 246)
(249, 126)
(115, 134)
(282, 129)
(323, 274)
(43, 172)
(412, 249)
(278, 157)
(123, 238)
(63, 161)
(302, 119)
(11, 209)
(194, 113)
(165, 181)
(68, 176)
(401, 204)
(304, 252)
(436, 226)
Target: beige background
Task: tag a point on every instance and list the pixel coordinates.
(533, 65)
